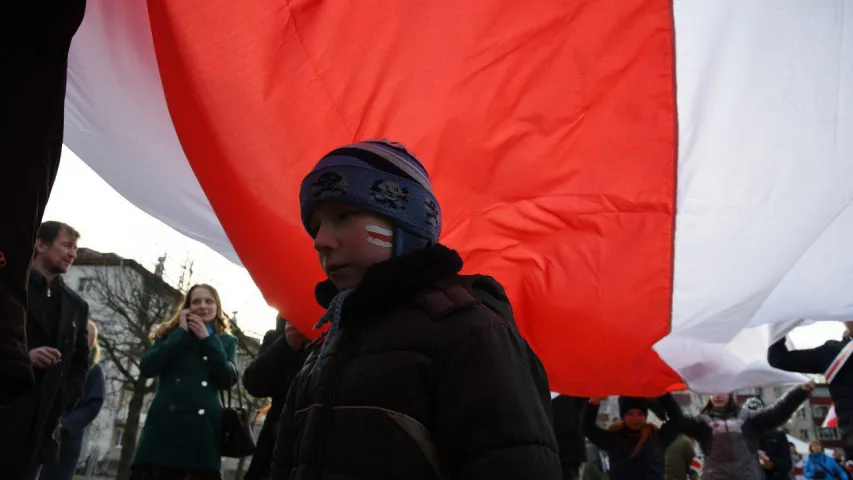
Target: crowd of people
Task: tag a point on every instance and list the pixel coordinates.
(421, 372)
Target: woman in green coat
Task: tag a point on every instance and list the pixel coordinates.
(193, 358)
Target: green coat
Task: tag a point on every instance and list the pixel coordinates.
(679, 458)
(184, 423)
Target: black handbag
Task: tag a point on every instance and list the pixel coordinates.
(237, 441)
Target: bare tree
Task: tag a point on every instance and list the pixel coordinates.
(248, 348)
(128, 302)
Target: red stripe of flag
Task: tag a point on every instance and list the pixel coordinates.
(549, 129)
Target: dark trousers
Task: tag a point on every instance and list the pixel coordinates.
(35, 43)
(150, 472)
(31, 474)
(571, 471)
(63, 468)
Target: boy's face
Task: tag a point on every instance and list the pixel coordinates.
(348, 241)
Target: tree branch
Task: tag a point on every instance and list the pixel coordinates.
(109, 347)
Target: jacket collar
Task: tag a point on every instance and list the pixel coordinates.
(395, 281)
(38, 280)
(38, 285)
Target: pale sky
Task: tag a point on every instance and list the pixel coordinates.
(109, 223)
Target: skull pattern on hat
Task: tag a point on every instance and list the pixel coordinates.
(381, 177)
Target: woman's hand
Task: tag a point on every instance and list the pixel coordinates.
(197, 327)
(596, 400)
(182, 318)
(808, 386)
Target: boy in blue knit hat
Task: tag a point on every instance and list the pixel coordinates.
(422, 373)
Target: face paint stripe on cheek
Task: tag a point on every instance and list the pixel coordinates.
(381, 237)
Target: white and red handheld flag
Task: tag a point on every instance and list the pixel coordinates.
(831, 420)
(696, 465)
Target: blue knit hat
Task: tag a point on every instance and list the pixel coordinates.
(381, 177)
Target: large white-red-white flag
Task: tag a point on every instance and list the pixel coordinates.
(663, 187)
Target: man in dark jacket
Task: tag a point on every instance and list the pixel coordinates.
(281, 357)
(817, 361)
(35, 59)
(58, 348)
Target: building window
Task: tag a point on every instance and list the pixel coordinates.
(804, 434)
(119, 436)
(801, 413)
(777, 392)
(820, 392)
(820, 411)
(85, 285)
(828, 434)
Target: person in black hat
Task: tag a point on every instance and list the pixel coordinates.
(57, 340)
(829, 360)
(283, 352)
(636, 447)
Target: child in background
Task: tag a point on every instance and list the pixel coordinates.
(636, 448)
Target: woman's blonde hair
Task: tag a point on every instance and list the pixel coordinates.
(220, 323)
(94, 348)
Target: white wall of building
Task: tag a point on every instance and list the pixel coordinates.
(103, 438)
